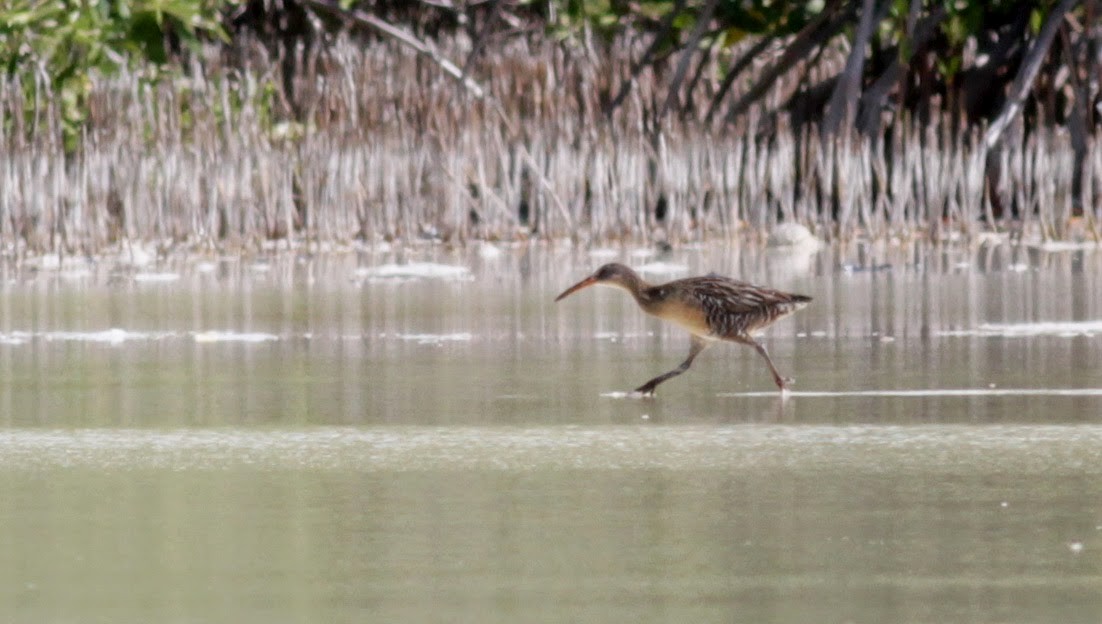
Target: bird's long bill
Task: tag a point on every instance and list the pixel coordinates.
(589, 281)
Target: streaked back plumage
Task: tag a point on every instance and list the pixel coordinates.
(734, 308)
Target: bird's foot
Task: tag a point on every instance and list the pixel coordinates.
(646, 389)
(783, 383)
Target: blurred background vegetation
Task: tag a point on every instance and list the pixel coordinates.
(922, 57)
(859, 69)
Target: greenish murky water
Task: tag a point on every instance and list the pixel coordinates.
(424, 436)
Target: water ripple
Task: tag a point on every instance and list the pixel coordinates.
(869, 449)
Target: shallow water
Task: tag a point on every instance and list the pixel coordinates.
(425, 436)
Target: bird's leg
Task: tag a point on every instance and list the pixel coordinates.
(781, 382)
(698, 345)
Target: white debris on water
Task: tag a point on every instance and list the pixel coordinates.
(135, 255)
(662, 268)
(790, 234)
(76, 274)
(229, 336)
(116, 335)
(1064, 329)
(1075, 547)
(56, 262)
(625, 395)
(15, 338)
(156, 277)
(112, 336)
(431, 339)
(603, 253)
(487, 251)
(415, 270)
(990, 238)
(620, 336)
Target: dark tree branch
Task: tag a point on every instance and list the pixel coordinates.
(1023, 82)
(648, 56)
(842, 107)
(687, 52)
(705, 58)
(481, 37)
(744, 61)
(816, 33)
(403, 37)
(919, 33)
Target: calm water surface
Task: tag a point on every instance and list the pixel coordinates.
(424, 436)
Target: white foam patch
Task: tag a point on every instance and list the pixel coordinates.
(618, 336)
(626, 395)
(114, 335)
(662, 268)
(75, 274)
(603, 253)
(225, 336)
(790, 234)
(136, 255)
(53, 262)
(488, 251)
(1065, 329)
(933, 392)
(15, 338)
(156, 277)
(435, 338)
(414, 270)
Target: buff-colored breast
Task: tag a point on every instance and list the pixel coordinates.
(684, 315)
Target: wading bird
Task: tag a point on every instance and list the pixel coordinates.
(712, 308)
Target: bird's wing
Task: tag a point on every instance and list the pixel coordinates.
(733, 307)
(730, 295)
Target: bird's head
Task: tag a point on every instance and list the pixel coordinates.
(611, 274)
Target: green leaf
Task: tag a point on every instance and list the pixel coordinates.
(1036, 21)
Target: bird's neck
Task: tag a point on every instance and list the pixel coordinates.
(638, 287)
